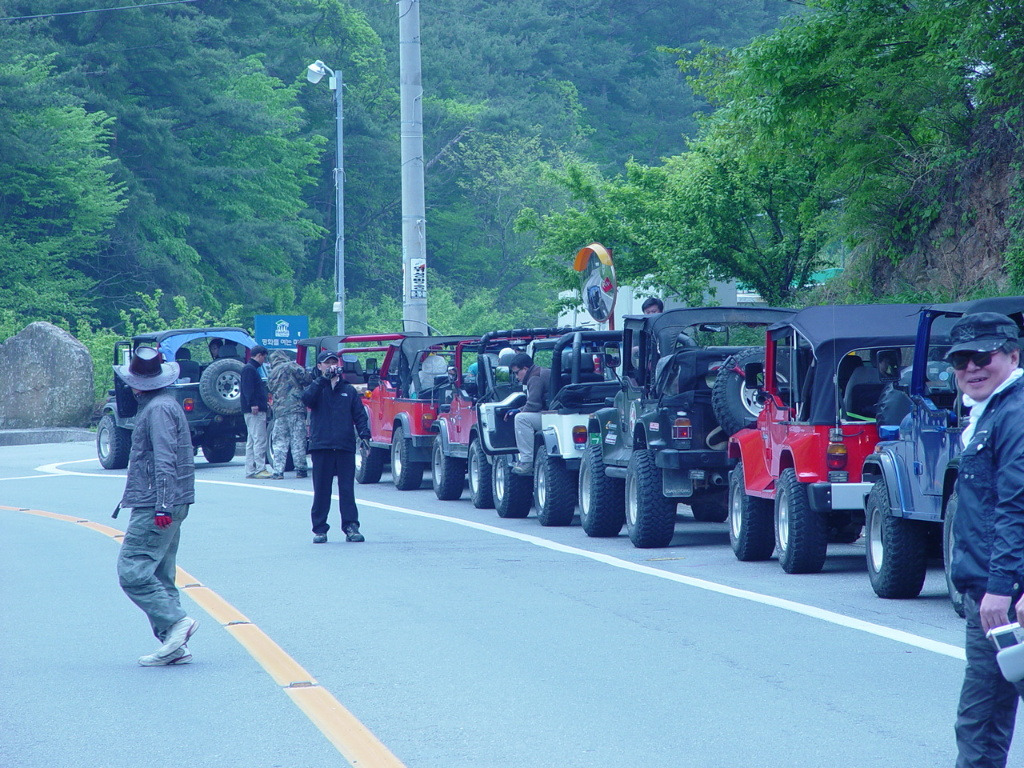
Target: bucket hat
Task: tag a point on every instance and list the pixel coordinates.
(147, 370)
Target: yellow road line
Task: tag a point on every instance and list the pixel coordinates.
(350, 737)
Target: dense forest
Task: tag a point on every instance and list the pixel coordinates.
(171, 162)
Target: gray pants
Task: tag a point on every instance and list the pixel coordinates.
(988, 703)
(527, 426)
(289, 432)
(146, 567)
(256, 442)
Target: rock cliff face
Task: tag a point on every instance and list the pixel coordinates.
(45, 379)
(964, 251)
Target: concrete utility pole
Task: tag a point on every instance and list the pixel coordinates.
(414, 222)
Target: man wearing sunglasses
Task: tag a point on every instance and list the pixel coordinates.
(988, 555)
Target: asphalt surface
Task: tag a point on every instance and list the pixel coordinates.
(459, 639)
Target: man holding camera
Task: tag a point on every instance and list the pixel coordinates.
(336, 417)
(988, 556)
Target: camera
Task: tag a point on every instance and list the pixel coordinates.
(1009, 650)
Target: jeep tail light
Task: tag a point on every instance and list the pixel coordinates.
(835, 456)
(682, 428)
(188, 404)
(579, 435)
(427, 421)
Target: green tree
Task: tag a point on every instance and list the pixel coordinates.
(58, 199)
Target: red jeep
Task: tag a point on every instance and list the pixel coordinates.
(415, 379)
(825, 370)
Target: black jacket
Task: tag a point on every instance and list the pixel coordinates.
(988, 529)
(336, 415)
(253, 388)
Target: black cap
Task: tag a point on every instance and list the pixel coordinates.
(981, 332)
(323, 357)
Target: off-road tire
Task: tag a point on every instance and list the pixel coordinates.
(370, 463)
(554, 490)
(479, 471)
(801, 536)
(896, 549)
(650, 517)
(408, 475)
(751, 522)
(710, 507)
(513, 494)
(448, 473)
(220, 386)
(113, 443)
(219, 452)
(602, 499)
(948, 541)
(735, 406)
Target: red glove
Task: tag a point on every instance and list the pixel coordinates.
(162, 519)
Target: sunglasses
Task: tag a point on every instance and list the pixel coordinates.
(959, 360)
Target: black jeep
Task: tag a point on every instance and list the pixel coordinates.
(663, 438)
(208, 390)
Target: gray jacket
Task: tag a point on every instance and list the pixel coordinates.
(536, 389)
(161, 470)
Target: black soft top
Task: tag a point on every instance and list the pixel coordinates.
(1012, 306)
(842, 328)
(665, 327)
(834, 331)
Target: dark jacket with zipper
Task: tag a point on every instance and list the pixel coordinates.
(253, 389)
(988, 529)
(336, 415)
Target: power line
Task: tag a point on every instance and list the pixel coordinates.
(93, 10)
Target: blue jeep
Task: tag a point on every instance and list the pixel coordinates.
(909, 511)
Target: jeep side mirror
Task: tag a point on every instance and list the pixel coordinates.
(753, 375)
(372, 381)
(371, 365)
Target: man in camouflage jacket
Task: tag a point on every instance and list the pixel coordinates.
(287, 381)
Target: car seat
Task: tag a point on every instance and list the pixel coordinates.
(862, 393)
(187, 367)
(229, 349)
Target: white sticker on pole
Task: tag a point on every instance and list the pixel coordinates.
(418, 288)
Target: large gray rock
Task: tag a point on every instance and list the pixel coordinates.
(45, 379)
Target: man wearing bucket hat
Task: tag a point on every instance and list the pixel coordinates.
(988, 555)
(159, 489)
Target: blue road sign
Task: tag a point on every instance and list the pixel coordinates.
(280, 331)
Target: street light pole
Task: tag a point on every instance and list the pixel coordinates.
(314, 73)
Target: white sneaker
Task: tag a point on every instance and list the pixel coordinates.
(177, 636)
(180, 655)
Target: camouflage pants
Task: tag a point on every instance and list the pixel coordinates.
(289, 432)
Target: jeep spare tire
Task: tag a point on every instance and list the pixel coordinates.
(735, 405)
(220, 386)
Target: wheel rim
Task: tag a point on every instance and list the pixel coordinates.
(735, 513)
(435, 466)
(584, 490)
(499, 479)
(783, 520)
(541, 490)
(103, 442)
(396, 458)
(474, 472)
(228, 385)
(876, 547)
(748, 398)
(631, 500)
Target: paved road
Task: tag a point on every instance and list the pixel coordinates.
(459, 639)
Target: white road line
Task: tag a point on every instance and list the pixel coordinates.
(897, 635)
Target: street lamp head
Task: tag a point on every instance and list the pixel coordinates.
(316, 71)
